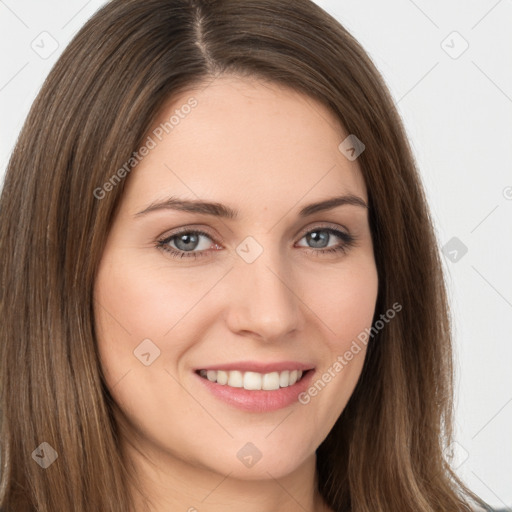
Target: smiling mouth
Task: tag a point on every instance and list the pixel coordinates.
(254, 380)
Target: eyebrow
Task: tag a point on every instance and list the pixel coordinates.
(221, 210)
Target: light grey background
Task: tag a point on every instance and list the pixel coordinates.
(457, 107)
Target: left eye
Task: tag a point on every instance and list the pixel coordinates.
(186, 242)
(189, 240)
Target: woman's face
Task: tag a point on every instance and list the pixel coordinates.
(257, 296)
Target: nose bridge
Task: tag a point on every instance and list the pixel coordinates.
(264, 300)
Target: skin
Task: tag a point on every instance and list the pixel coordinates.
(266, 151)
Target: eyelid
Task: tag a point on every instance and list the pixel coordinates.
(348, 241)
(322, 225)
(196, 228)
(219, 239)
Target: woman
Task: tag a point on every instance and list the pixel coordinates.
(221, 283)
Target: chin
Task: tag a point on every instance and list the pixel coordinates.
(251, 463)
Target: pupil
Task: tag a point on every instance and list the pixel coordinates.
(317, 237)
(188, 240)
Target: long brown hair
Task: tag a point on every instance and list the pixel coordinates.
(386, 451)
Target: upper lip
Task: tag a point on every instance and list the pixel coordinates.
(254, 366)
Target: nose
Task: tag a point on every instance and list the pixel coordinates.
(263, 300)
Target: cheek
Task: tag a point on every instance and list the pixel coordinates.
(346, 306)
(136, 305)
(137, 301)
(129, 310)
(144, 301)
(344, 300)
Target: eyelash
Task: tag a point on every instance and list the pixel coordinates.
(348, 242)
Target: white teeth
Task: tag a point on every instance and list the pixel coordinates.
(235, 379)
(222, 377)
(253, 380)
(270, 381)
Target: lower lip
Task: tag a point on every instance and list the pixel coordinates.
(259, 400)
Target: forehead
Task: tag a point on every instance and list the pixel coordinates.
(245, 139)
